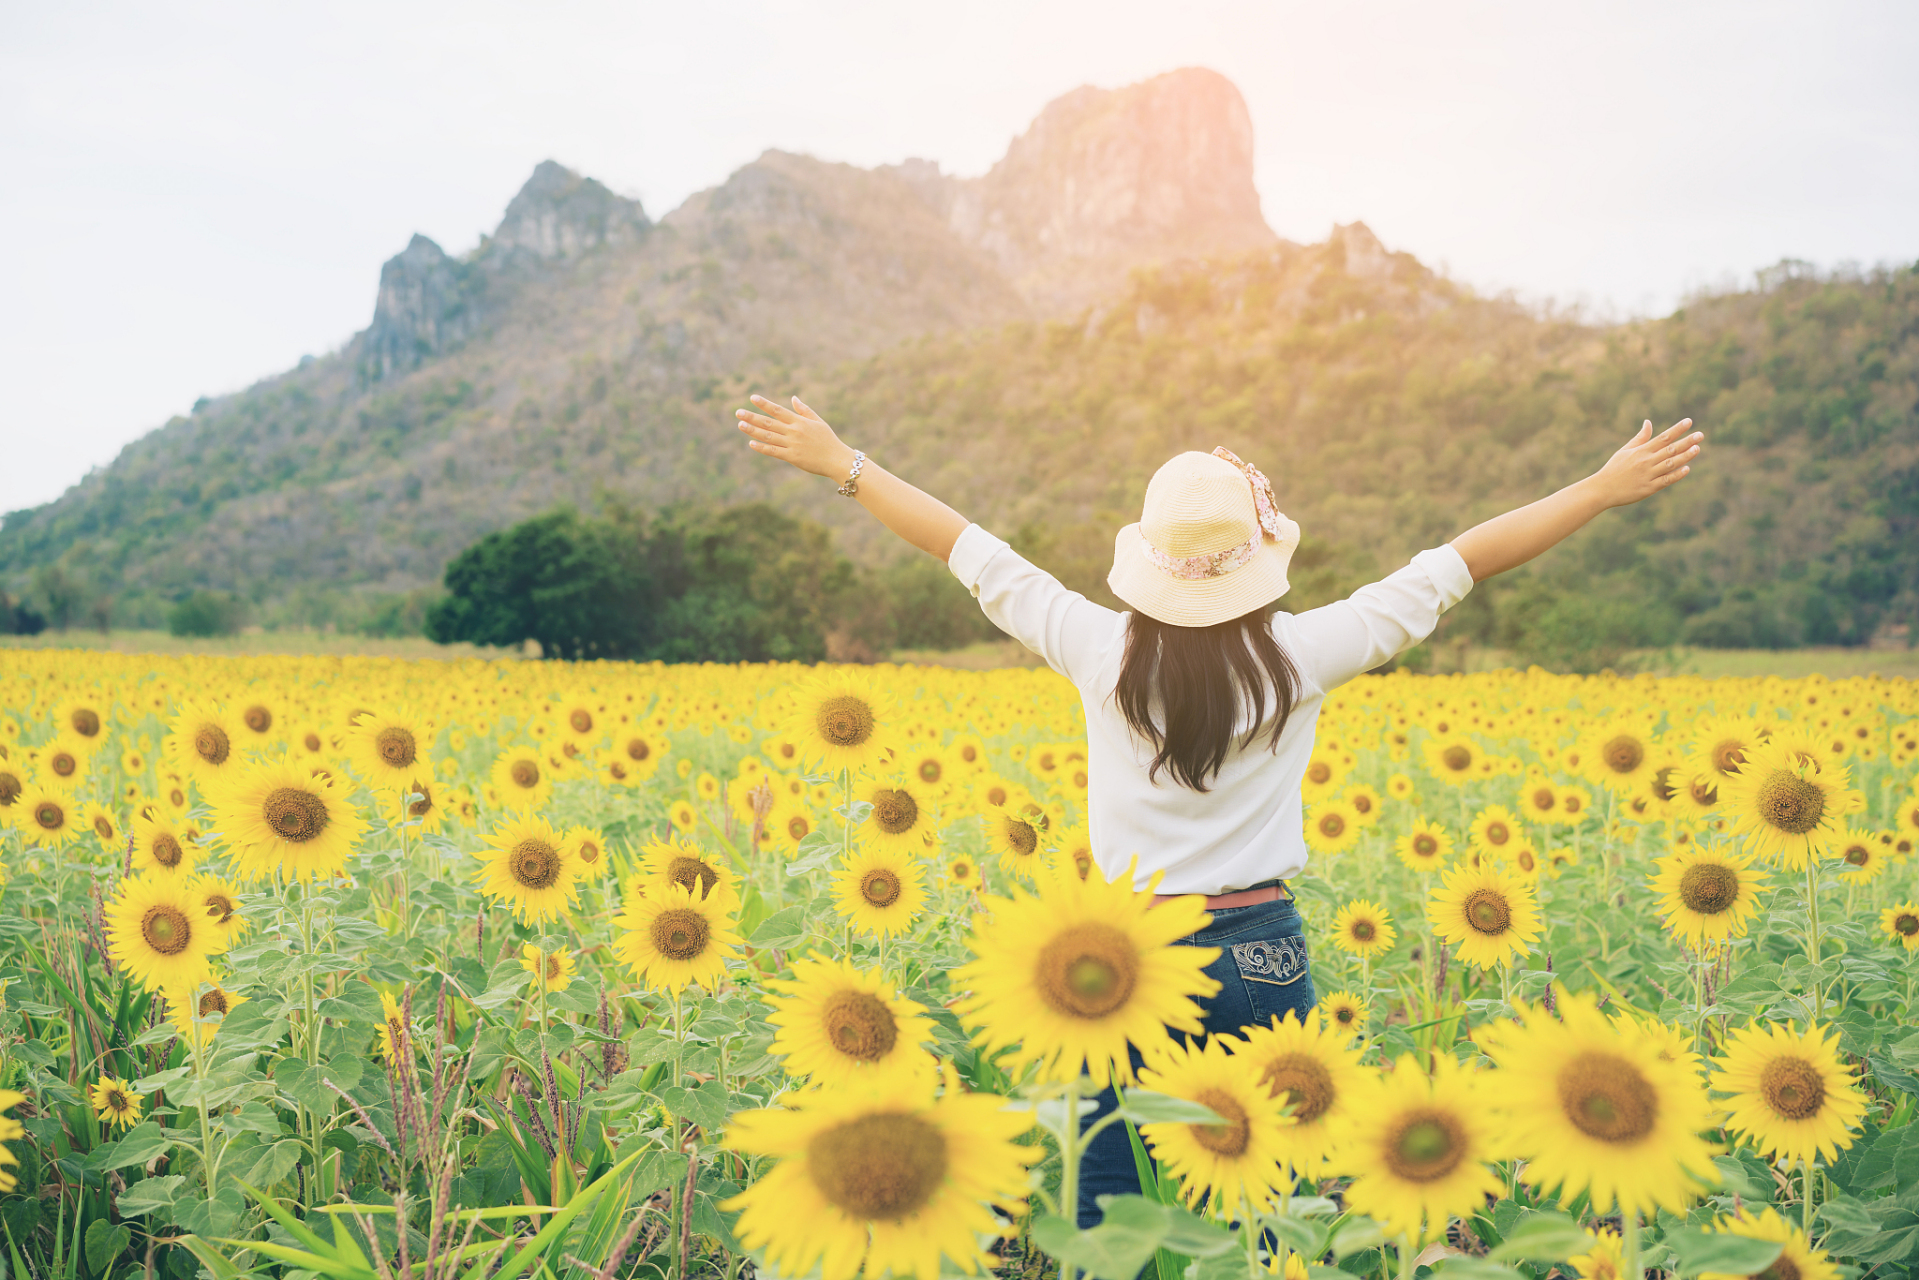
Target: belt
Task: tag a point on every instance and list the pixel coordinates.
(1269, 891)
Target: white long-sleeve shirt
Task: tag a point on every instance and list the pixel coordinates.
(1247, 826)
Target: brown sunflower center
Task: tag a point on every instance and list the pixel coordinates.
(1906, 924)
(1230, 1138)
(880, 887)
(1457, 758)
(535, 864)
(1488, 912)
(1607, 1098)
(64, 763)
(1781, 1268)
(1425, 1145)
(1704, 793)
(1303, 1080)
(882, 1167)
(210, 743)
(85, 722)
(166, 929)
(859, 1025)
(680, 933)
(422, 802)
(895, 811)
(312, 741)
(1787, 802)
(1793, 1088)
(1362, 931)
(845, 721)
(797, 827)
(581, 719)
(220, 908)
(1727, 755)
(103, 826)
(257, 718)
(1319, 773)
(1544, 798)
(551, 968)
(166, 850)
(693, 875)
(589, 852)
(1857, 855)
(214, 1001)
(1623, 754)
(1345, 1014)
(50, 815)
(1021, 836)
(116, 1101)
(930, 771)
(1088, 970)
(525, 774)
(1332, 825)
(294, 814)
(1498, 833)
(1709, 888)
(1425, 846)
(10, 787)
(396, 747)
(638, 749)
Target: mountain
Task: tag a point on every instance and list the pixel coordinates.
(1030, 344)
(570, 352)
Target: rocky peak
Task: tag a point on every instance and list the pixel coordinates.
(559, 214)
(1108, 180)
(421, 309)
(1360, 252)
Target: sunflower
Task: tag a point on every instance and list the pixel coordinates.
(931, 768)
(963, 871)
(1592, 1106)
(1491, 916)
(1720, 747)
(879, 891)
(1235, 1161)
(1494, 831)
(257, 718)
(1787, 806)
(1620, 755)
(839, 1025)
(161, 845)
(1417, 1148)
(1333, 827)
(1791, 1095)
(115, 1102)
(158, 932)
(1072, 975)
(1539, 799)
(1604, 1259)
(283, 817)
(551, 970)
(1365, 802)
(671, 939)
(881, 1176)
(1574, 804)
(683, 816)
(671, 861)
(1311, 1067)
(588, 847)
(902, 813)
(840, 722)
(1344, 1011)
(13, 785)
(217, 899)
(85, 717)
(1797, 1260)
(49, 815)
(532, 869)
(394, 1032)
(1363, 928)
(203, 742)
(1075, 849)
(1862, 855)
(522, 778)
(195, 1009)
(100, 820)
(419, 804)
(1015, 837)
(1452, 760)
(1707, 895)
(1425, 848)
(1901, 924)
(65, 758)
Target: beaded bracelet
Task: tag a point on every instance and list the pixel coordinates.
(852, 485)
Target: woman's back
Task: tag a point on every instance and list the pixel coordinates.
(1246, 827)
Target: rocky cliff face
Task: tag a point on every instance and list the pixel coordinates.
(1108, 180)
(559, 214)
(420, 311)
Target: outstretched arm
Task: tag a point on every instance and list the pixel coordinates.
(1643, 466)
(801, 437)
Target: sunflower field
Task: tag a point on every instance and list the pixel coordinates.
(354, 969)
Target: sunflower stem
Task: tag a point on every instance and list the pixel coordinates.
(203, 1038)
(1069, 1168)
(1250, 1229)
(1812, 934)
(1629, 1230)
(1407, 1263)
(1805, 1210)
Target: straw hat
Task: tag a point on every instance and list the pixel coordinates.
(1209, 546)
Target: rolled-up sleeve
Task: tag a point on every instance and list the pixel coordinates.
(1031, 605)
(1379, 622)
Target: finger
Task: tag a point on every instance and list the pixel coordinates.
(801, 406)
(1687, 446)
(770, 450)
(1645, 434)
(761, 433)
(758, 420)
(1671, 477)
(1672, 431)
(775, 409)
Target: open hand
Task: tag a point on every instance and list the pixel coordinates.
(1647, 463)
(796, 435)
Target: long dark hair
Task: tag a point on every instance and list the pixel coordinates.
(1199, 679)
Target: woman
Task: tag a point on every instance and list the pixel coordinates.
(1201, 701)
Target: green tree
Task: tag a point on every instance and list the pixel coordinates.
(206, 613)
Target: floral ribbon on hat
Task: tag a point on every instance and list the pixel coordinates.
(1217, 564)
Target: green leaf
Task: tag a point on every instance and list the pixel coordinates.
(358, 1002)
(1716, 1251)
(1143, 1106)
(1892, 1075)
(140, 1144)
(504, 988)
(252, 1117)
(276, 1162)
(1543, 1237)
(782, 929)
(1133, 1230)
(1872, 1232)
(105, 1241)
(704, 1106)
(216, 1217)
(1459, 1266)
(1357, 1234)
(149, 1195)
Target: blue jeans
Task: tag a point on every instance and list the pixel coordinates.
(1263, 973)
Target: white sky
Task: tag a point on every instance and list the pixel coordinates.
(198, 193)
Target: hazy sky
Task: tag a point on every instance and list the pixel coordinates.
(196, 194)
